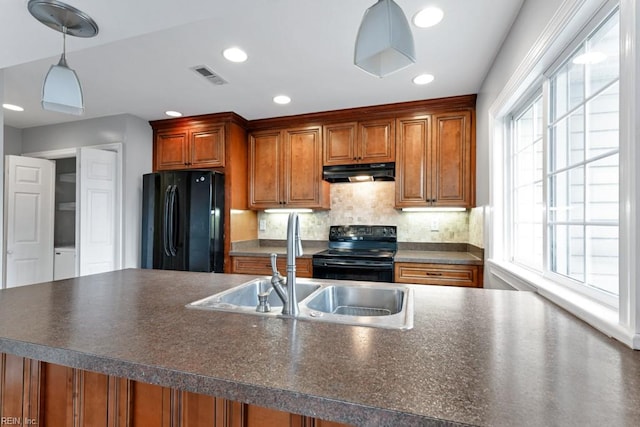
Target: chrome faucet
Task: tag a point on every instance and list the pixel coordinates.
(294, 249)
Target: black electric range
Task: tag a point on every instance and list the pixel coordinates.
(358, 252)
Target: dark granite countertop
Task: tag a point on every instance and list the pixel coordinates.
(475, 356)
(264, 248)
(439, 257)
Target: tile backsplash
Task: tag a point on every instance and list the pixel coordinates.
(373, 203)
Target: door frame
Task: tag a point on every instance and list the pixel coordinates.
(73, 152)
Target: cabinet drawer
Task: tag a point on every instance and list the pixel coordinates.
(262, 265)
(438, 274)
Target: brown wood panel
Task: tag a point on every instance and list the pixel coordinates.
(207, 147)
(323, 423)
(236, 170)
(303, 167)
(236, 196)
(119, 402)
(31, 392)
(197, 410)
(258, 416)
(244, 226)
(93, 398)
(11, 386)
(438, 274)
(414, 109)
(452, 159)
(52, 395)
(57, 395)
(265, 170)
(171, 149)
(377, 141)
(150, 405)
(412, 166)
(262, 265)
(339, 143)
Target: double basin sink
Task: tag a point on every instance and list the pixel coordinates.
(355, 303)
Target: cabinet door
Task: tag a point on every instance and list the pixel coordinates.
(207, 148)
(265, 170)
(303, 168)
(339, 145)
(453, 169)
(377, 141)
(171, 150)
(411, 167)
(262, 265)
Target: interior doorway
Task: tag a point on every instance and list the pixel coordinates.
(86, 214)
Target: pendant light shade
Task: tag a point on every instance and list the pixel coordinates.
(384, 44)
(61, 90)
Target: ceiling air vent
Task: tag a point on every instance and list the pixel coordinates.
(208, 74)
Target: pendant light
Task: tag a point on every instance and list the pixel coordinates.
(61, 90)
(384, 43)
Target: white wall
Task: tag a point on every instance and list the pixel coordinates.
(12, 141)
(136, 137)
(2, 177)
(529, 24)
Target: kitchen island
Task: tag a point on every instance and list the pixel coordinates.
(474, 357)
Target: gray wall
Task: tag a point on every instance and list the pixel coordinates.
(136, 137)
(12, 141)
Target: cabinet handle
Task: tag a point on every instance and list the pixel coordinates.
(433, 274)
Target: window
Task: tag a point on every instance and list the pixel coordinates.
(575, 241)
(527, 181)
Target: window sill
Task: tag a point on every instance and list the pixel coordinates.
(598, 315)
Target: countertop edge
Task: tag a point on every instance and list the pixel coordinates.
(280, 399)
(403, 255)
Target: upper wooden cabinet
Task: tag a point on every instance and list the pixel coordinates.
(195, 147)
(285, 169)
(436, 161)
(359, 142)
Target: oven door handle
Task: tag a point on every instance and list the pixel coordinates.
(354, 264)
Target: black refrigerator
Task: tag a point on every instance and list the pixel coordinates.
(183, 221)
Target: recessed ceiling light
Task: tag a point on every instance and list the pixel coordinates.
(12, 107)
(428, 17)
(235, 54)
(281, 99)
(423, 79)
(172, 113)
(589, 58)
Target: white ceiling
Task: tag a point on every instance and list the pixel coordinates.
(139, 63)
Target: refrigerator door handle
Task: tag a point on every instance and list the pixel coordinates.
(172, 222)
(165, 221)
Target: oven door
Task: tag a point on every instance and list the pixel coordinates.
(345, 269)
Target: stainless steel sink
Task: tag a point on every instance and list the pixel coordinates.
(352, 303)
(245, 297)
(376, 305)
(357, 301)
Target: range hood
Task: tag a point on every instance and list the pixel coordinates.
(360, 172)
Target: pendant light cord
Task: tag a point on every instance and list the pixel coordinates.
(63, 58)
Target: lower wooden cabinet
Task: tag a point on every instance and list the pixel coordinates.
(262, 265)
(45, 394)
(438, 274)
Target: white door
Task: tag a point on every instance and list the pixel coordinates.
(29, 211)
(97, 204)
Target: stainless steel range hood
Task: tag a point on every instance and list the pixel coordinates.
(360, 172)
